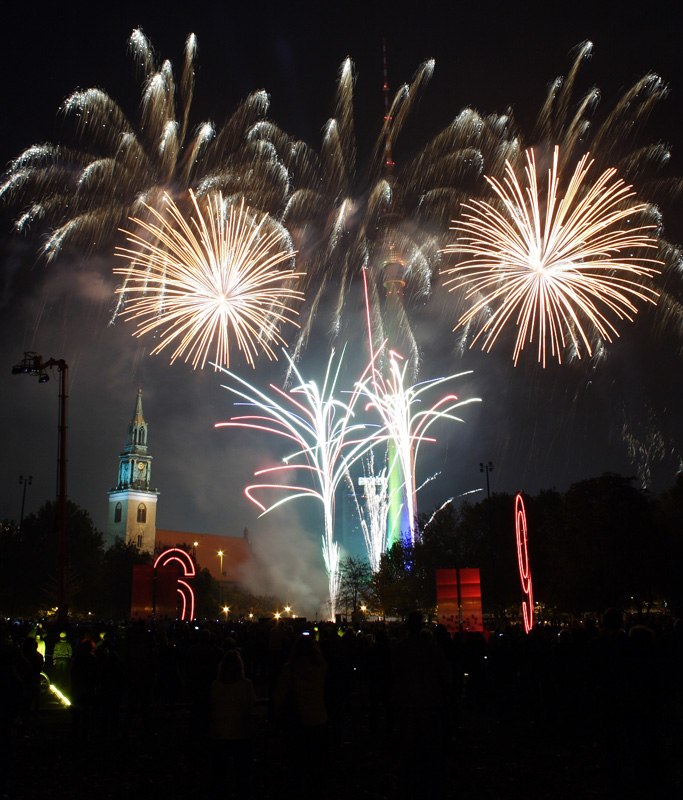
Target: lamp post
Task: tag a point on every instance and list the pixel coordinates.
(33, 364)
(487, 468)
(220, 585)
(27, 482)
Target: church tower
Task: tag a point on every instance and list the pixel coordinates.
(132, 504)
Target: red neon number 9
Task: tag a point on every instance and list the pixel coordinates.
(523, 561)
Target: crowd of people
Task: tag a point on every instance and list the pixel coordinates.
(233, 689)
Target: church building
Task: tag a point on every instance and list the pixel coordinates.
(132, 504)
(133, 513)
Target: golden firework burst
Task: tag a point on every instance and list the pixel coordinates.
(215, 279)
(554, 264)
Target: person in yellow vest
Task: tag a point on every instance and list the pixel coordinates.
(61, 661)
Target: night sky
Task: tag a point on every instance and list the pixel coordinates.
(541, 428)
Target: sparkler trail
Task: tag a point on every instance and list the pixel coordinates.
(205, 282)
(436, 511)
(565, 121)
(405, 427)
(555, 273)
(328, 439)
(646, 445)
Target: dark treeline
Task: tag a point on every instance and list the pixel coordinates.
(98, 581)
(601, 543)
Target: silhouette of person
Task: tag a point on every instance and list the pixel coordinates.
(232, 707)
(422, 686)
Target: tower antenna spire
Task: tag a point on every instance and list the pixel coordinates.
(388, 160)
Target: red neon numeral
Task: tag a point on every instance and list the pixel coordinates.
(523, 561)
(184, 589)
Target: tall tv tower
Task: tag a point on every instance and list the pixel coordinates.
(390, 257)
(391, 260)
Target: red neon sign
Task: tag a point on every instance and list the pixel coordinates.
(186, 593)
(184, 589)
(523, 561)
(176, 554)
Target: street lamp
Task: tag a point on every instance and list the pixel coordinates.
(27, 482)
(33, 364)
(220, 585)
(487, 468)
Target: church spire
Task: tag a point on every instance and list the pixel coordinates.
(135, 463)
(137, 429)
(137, 414)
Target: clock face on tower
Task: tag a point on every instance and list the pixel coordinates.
(141, 465)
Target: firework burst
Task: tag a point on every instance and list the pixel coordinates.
(383, 215)
(328, 441)
(405, 426)
(78, 194)
(203, 283)
(554, 262)
(617, 140)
